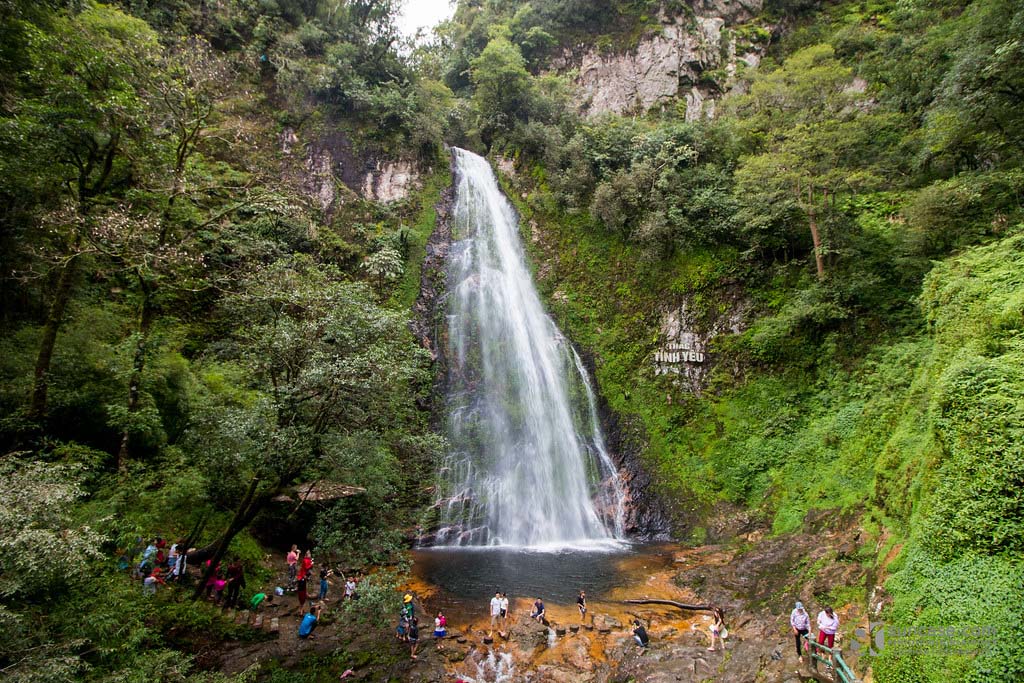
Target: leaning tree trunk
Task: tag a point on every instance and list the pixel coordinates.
(54, 319)
(244, 514)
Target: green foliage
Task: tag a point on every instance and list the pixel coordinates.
(502, 87)
(200, 277)
(950, 214)
(41, 551)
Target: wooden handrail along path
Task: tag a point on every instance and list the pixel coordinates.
(832, 658)
(836, 667)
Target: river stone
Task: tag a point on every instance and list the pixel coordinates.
(578, 654)
(554, 674)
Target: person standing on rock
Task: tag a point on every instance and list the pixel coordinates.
(800, 621)
(440, 630)
(350, 588)
(301, 586)
(640, 634)
(414, 636)
(716, 631)
(236, 582)
(293, 560)
(828, 624)
(495, 611)
(324, 573)
(581, 604)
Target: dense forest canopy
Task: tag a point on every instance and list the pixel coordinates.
(189, 334)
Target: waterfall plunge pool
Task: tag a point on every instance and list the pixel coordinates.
(461, 581)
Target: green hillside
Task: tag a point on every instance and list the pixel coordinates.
(198, 319)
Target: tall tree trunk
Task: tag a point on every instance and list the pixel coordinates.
(815, 237)
(147, 315)
(54, 319)
(244, 514)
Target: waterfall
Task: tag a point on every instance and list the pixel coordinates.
(527, 463)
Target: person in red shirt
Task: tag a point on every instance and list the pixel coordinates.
(307, 563)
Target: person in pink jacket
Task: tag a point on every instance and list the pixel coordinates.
(828, 624)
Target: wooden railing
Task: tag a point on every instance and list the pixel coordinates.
(832, 658)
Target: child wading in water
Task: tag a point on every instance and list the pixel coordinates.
(581, 603)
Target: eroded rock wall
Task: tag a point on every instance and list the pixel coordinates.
(685, 347)
(694, 58)
(330, 172)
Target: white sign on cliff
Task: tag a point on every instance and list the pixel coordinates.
(680, 347)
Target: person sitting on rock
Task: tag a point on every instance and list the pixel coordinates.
(309, 623)
(640, 634)
(539, 612)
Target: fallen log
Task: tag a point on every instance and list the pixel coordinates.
(673, 603)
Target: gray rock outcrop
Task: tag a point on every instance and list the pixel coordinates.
(329, 172)
(671, 63)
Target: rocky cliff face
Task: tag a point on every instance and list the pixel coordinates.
(330, 172)
(694, 57)
(684, 351)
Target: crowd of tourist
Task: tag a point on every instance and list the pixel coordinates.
(161, 563)
(157, 563)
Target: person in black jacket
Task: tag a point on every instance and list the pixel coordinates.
(640, 634)
(236, 582)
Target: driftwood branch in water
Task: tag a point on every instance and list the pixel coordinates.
(673, 603)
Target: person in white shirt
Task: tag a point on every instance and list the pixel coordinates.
(495, 611)
(350, 588)
(504, 609)
(800, 621)
(828, 624)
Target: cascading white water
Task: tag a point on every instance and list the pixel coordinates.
(527, 464)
